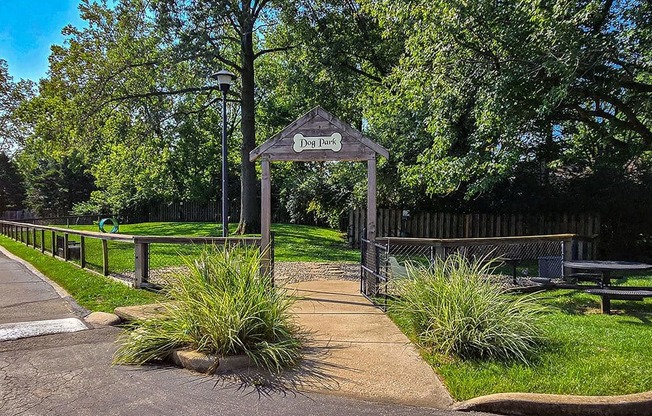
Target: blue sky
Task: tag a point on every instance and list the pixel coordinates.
(28, 28)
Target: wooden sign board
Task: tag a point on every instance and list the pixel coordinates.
(318, 136)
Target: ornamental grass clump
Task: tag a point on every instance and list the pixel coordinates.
(221, 305)
(453, 308)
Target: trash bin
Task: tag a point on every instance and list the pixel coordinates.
(551, 266)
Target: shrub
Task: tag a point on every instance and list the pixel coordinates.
(455, 309)
(220, 305)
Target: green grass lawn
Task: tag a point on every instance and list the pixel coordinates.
(587, 353)
(292, 242)
(93, 292)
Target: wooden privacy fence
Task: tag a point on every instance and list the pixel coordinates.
(191, 211)
(392, 223)
(130, 258)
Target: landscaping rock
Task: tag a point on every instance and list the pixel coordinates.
(103, 319)
(140, 312)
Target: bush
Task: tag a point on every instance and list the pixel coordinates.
(220, 305)
(455, 309)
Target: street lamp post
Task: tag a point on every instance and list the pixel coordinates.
(224, 79)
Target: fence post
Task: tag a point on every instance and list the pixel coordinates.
(82, 251)
(376, 267)
(42, 241)
(440, 251)
(362, 263)
(66, 253)
(105, 258)
(141, 251)
(271, 255)
(567, 254)
(34, 238)
(54, 243)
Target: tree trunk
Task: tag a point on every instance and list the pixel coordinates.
(249, 206)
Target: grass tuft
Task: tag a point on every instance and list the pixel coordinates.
(221, 305)
(453, 309)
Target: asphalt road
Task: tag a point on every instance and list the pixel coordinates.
(71, 374)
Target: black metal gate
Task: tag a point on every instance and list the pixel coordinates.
(374, 271)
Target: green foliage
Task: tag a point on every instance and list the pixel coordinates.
(483, 106)
(12, 190)
(12, 129)
(495, 86)
(221, 305)
(54, 186)
(323, 191)
(454, 309)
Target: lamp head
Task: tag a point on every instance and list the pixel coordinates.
(224, 79)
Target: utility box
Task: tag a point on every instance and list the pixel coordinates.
(551, 267)
(74, 250)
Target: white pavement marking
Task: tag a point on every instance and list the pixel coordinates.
(35, 328)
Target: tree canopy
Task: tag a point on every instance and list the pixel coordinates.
(484, 105)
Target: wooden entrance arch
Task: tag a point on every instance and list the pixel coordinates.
(317, 136)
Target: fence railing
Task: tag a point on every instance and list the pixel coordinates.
(138, 260)
(393, 223)
(67, 220)
(523, 257)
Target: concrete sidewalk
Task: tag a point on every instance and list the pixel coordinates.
(359, 350)
(28, 297)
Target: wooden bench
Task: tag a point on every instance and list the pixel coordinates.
(607, 294)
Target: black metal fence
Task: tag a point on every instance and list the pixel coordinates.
(518, 258)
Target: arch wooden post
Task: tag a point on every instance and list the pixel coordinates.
(317, 136)
(371, 199)
(266, 214)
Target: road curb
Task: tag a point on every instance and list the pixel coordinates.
(209, 364)
(526, 404)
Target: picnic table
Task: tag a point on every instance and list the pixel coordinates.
(606, 290)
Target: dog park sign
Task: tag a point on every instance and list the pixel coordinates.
(317, 136)
(332, 142)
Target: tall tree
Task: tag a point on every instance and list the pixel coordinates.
(495, 85)
(228, 33)
(143, 121)
(12, 191)
(12, 94)
(55, 186)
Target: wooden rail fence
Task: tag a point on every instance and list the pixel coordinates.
(76, 246)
